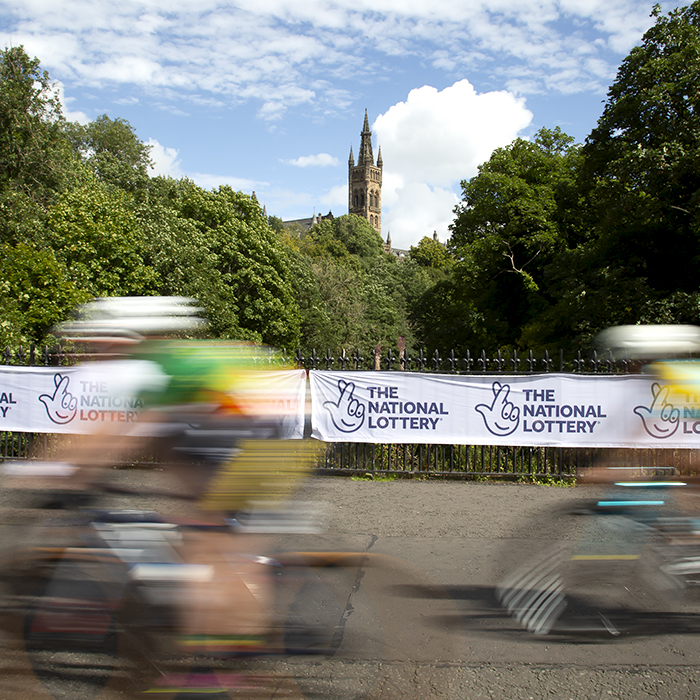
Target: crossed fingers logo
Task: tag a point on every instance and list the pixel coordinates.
(661, 419)
(501, 416)
(61, 406)
(347, 413)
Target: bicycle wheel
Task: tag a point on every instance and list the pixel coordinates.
(608, 577)
(62, 630)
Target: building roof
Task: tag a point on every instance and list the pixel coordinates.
(306, 224)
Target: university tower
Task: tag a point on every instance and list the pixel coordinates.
(365, 181)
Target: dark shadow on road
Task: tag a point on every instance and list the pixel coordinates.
(477, 610)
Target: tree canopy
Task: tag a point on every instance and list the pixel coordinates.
(641, 161)
(35, 159)
(111, 149)
(80, 217)
(509, 227)
(555, 241)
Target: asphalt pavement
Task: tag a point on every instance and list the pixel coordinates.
(418, 616)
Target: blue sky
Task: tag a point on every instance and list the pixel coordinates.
(269, 95)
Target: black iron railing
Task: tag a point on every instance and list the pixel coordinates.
(453, 362)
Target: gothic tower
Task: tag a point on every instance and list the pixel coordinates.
(365, 181)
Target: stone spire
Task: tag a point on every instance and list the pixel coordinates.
(351, 159)
(366, 156)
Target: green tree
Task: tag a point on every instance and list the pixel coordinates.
(96, 235)
(640, 184)
(36, 162)
(390, 297)
(447, 318)
(359, 296)
(217, 246)
(322, 241)
(113, 152)
(35, 294)
(35, 157)
(641, 167)
(275, 223)
(432, 254)
(356, 235)
(336, 319)
(516, 216)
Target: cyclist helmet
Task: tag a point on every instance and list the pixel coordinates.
(650, 342)
(131, 319)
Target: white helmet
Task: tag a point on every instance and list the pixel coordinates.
(650, 342)
(129, 319)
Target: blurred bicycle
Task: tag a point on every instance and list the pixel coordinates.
(136, 597)
(633, 565)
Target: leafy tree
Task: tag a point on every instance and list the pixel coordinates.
(359, 296)
(217, 246)
(340, 252)
(432, 254)
(641, 161)
(35, 294)
(113, 152)
(275, 223)
(336, 319)
(359, 307)
(515, 217)
(641, 184)
(322, 241)
(22, 219)
(36, 163)
(358, 235)
(94, 232)
(355, 234)
(447, 318)
(35, 157)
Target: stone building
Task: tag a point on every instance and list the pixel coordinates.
(365, 181)
(365, 187)
(304, 225)
(364, 190)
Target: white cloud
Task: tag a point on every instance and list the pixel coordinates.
(127, 101)
(292, 204)
(430, 143)
(418, 210)
(242, 184)
(441, 136)
(167, 163)
(287, 203)
(77, 116)
(272, 110)
(326, 54)
(165, 160)
(321, 160)
(336, 198)
(276, 51)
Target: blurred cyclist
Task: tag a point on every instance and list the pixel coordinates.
(207, 416)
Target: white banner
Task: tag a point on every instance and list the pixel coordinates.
(538, 410)
(102, 395)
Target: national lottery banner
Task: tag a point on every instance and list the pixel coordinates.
(537, 410)
(105, 396)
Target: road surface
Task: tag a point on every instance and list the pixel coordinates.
(419, 617)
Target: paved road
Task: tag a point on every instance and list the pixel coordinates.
(457, 540)
(420, 620)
